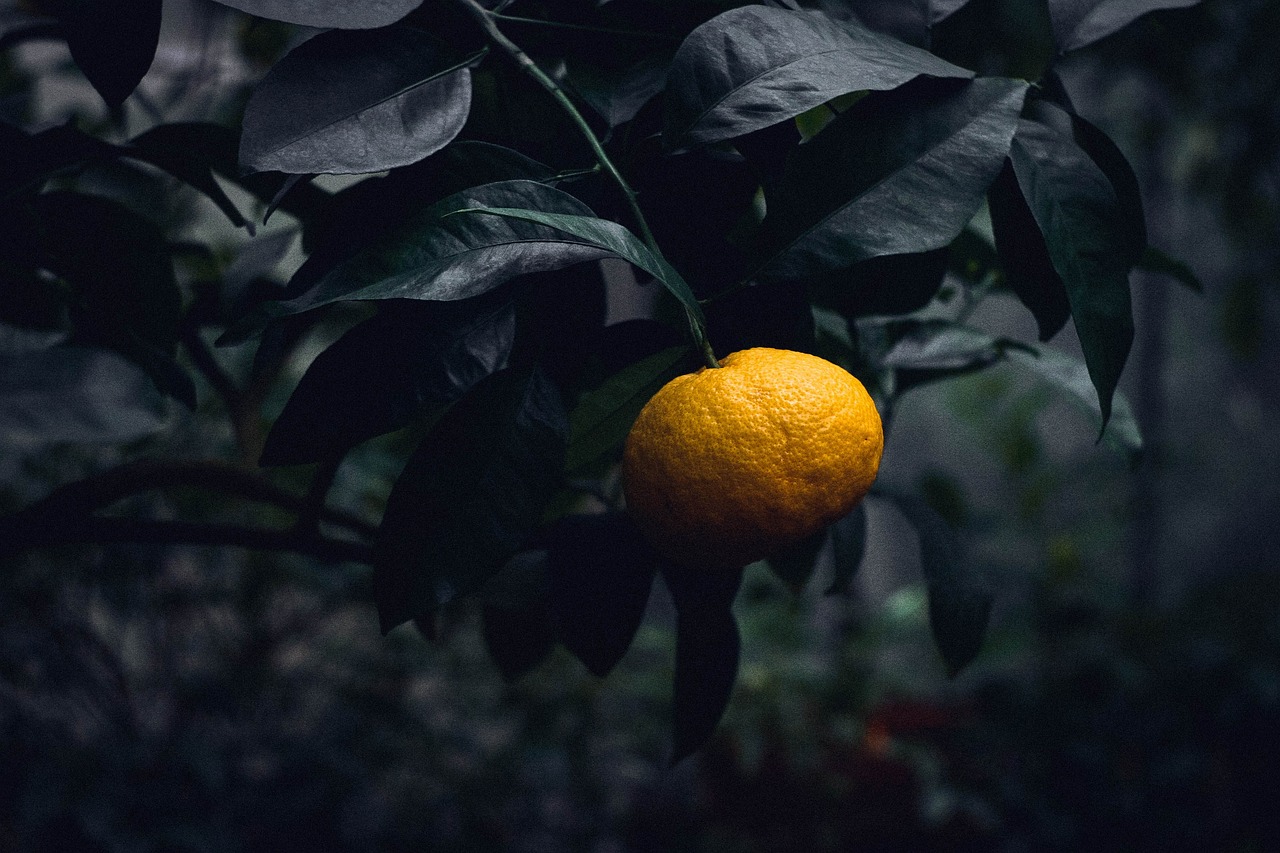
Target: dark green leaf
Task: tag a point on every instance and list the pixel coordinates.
(755, 66)
(707, 652)
(848, 544)
(1091, 242)
(900, 172)
(889, 284)
(111, 41)
(1067, 374)
(1154, 260)
(518, 639)
(603, 416)
(618, 95)
(795, 565)
(601, 573)
(1024, 256)
(342, 14)
(438, 256)
(168, 146)
(1077, 23)
(28, 160)
(617, 241)
(959, 600)
(354, 102)
(78, 394)
(410, 359)
(470, 496)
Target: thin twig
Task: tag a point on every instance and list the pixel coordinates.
(486, 20)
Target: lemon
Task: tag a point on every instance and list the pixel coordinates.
(728, 465)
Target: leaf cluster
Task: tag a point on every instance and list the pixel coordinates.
(809, 175)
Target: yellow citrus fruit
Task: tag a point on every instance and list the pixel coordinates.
(729, 465)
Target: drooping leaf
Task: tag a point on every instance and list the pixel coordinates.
(604, 414)
(900, 172)
(619, 242)
(1090, 240)
(1024, 256)
(351, 102)
(848, 545)
(707, 652)
(1154, 260)
(81, 394)
(409, 359)
(959, 600)
(112, 41)
(755, 66)
(1077, 23)
(438, 256)
(470, 495)
(1120, 432)
(366, 212)
(601, 574)
(340, 14)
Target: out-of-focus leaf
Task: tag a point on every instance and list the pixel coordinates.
(601, 572)
(411, 358)
(1090, 239)
(28, 160)
(340, 14)
(707, 652)
(959, 600)
(603, 416)
(848, 545)
(68, 393)
(939, 345)
(1077, 23)
(1068, 374)
(112, 41)
(755, 66)
(438, 256)
(1154, 260)
(898, 173)
(470, 495)
(795, 565)
(356, 101)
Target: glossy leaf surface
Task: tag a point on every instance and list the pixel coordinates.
(1077, 23)
(900, 172)
(341, 14)
(755, 66)
(409, 359)
(354, 102)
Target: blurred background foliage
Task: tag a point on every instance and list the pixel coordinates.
(199, 699)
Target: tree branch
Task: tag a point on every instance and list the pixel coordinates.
(25, 530)
(83, 497)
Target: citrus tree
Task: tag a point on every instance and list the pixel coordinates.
(841, 178)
